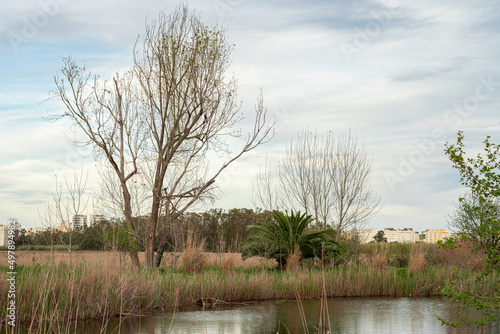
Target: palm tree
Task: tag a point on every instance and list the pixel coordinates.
(284, 235)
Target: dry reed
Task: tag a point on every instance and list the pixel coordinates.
(293, 262)
(193, 258)
(59, 295)
(417, 262)
(228, 262)
(62, 295)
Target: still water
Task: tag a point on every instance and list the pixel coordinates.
(346, 315)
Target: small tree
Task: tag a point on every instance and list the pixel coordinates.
(63, 204)
(118, 238)
(478, 222)
(380, 237)
(285, 235)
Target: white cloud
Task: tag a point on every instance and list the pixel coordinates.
(393, 93)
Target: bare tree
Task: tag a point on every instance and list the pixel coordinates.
(49, 220)
(326, 177)
(71, 202)
(65, 204)
(155, 124)
(266, 192)
(108, 113)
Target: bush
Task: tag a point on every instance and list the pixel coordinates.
(398, 254)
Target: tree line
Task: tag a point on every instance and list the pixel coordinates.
(223, 231)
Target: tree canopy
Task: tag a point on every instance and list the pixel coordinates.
(283, 235)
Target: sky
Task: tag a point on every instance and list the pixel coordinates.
(403, 76)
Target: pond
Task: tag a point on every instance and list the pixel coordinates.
(346, 315)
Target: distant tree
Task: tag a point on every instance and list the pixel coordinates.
(67, 201)
(476, 220)
(91, 238)
(284, 235)
(327, 177)
(22, 238)
(380, 237)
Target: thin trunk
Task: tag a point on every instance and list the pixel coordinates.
(159, 254)
(134, 257)
(151, 238)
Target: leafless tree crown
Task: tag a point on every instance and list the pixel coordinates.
(325, 176)
(154, 125)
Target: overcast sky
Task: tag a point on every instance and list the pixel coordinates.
(403, 76)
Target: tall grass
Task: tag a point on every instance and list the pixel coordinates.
(59, 295)
(193, 259)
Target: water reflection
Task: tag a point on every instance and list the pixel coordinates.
(380, 315)
(346, 315)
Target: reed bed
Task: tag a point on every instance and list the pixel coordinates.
(61, 294)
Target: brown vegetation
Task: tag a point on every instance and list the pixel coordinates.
(94, 287)
(110, 260)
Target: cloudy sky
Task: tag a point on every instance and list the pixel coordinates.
(403, 76)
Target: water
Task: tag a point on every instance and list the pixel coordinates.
(347, 315)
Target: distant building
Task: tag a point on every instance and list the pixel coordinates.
(63, 228)
(4, 232)
(33, 230)
(366, 236)
(79, 222)
(401, 235)
(433, 236)
(94, 219)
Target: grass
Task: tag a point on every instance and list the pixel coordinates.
(59, 295)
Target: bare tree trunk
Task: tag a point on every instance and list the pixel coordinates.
(134, 257)
(159, 254)
(152, 232)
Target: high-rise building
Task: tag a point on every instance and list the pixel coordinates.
(94, 219)
(4, 232)
(79, 222)
(401, 235)
(433, 236)
(366, 236)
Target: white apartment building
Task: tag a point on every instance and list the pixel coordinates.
(4, 232)
(94, 219)
(435, 235)
(79, 222)
(366, 236)
(401, 235)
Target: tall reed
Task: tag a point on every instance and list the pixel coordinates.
(62, 294)
(193, 259)
(59, 295)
